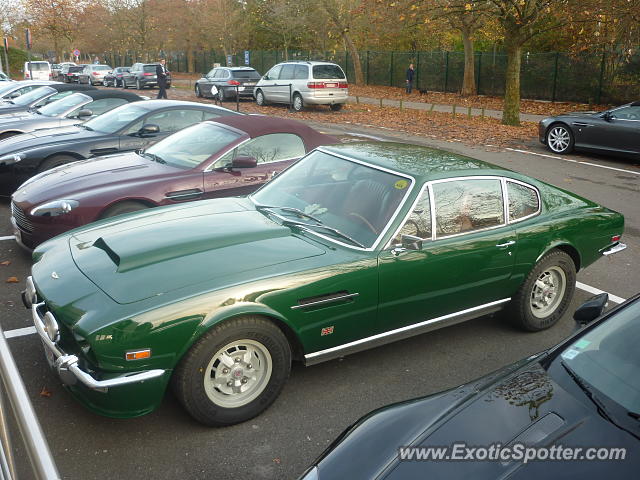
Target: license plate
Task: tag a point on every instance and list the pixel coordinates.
(330, 85)
(251, 84)
(240, 89)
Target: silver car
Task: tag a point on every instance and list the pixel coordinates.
(301, 83)
(94, 74)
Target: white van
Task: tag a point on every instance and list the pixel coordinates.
(40, 70)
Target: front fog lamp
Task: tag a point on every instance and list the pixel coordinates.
(10, 159)
(51, 327)
(54, 208)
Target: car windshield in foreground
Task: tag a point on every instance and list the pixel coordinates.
(116, 119)
(340, 199)
(33, 96)
(190, 147)
(63, 105)
(607, 359)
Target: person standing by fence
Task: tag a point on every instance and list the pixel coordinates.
(161, 74)
(410, 74)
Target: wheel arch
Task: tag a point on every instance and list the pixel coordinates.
(143, 200)
(555, 123)
(566, 247)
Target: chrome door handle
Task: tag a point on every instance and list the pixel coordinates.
(505, 245)
(397, 251)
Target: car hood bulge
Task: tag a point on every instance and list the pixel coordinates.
(152, 253)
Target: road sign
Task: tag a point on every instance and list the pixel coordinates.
(246, 57)
(76, 52)
(229, 60)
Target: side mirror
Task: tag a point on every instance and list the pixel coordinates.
(410, 242)
(590, 310)
(244, 161)
(149, 129)
(608, 116)
(84, 113)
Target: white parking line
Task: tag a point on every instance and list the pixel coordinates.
(21, 332)
(10, 237)
(597, 291)
(573, 161)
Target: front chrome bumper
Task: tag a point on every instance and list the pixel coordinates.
(67, 365)
(618, 247)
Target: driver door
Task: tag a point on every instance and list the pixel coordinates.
(467, 263)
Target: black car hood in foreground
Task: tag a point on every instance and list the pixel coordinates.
(33, 140)
(522, 403)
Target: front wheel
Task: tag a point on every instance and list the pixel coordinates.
(545, 294)
(55, 161)
(260, 101)
(198, 92)
(122, 208)
(560, 139)
(138, 85)
(234, 372)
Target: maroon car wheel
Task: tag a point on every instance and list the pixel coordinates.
(122, 208)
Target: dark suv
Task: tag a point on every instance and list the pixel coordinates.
(142, 75)
(223, 83)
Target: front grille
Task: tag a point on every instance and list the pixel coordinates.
(21, 219)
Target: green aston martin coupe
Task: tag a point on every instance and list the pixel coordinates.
(354, 246)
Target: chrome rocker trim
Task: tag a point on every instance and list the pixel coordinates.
(403, 332)
(618, 247)
(65, 364)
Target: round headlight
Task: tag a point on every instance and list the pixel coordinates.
(51, 327)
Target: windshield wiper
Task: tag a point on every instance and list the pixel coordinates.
(84, 126)
(153, 157)
(297, 211)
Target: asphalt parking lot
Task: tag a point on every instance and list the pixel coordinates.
(318, 402)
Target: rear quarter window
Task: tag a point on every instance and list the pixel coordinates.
(328, 72)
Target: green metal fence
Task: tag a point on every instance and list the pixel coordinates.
(589, 77)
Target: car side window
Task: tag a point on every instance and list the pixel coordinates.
(267, 148)
(211, 74)
(418, 223)
(98, 107)
(467, 205)
(627, 113)
(301, 72)
(174, 120)
(274, 73)
(523, 201)
(287, 72)
(53, 98)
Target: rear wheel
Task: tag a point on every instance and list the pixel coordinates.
(124, 84)
(560, 139)
(138, 86)
(260, 101)
(298, 105)
(7, 135)
(336, 107)
(233, 372)
(122, 208)
(545, 294)
(198, 92)
(55, 161)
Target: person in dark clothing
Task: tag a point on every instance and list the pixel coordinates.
(410, 73)
(161, 74)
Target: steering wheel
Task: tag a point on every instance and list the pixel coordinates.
(363, 220)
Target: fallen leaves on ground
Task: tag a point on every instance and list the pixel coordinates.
(12, 280)
(443, 126)
(5, 263)
(44, 392)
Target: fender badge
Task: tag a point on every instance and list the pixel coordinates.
(326, 331)
(54, 275)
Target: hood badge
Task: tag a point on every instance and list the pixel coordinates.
(54, 275)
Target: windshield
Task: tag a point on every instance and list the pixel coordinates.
(190, 147)
(116, 119)
(608, 358)
(33, 96)
(63, 105)
(358, 200)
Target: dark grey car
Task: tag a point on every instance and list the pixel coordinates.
(39, 97)
(142, 75)
(11, 90)
(227, 82)
(114, 77)
(615, 131)
(71, 110)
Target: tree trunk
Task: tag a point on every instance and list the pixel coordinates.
(511, 112)
(355, 56)
(469, 79)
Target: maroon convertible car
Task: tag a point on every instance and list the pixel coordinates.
(232, 155)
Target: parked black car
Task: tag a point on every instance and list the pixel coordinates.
(615, 131)
(114, 77)
(143, 75)
(128, 127)
(583, 393)
(227, 82)
(73, 73)
(40, 97)
(70, 110)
